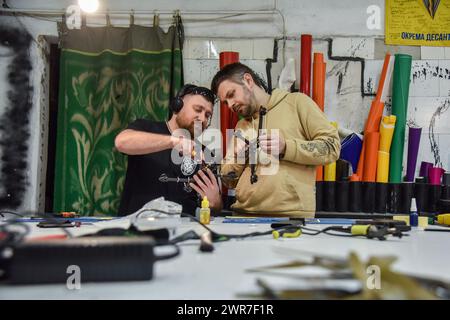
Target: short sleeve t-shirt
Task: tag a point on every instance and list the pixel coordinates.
(142, 179)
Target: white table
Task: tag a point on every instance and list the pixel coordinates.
(221, 274)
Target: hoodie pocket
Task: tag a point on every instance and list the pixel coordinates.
(295, 195)
(243, 186)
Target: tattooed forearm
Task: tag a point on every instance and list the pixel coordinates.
(318, 148)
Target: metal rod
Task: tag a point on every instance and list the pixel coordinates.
(262, 113)
(137, 12)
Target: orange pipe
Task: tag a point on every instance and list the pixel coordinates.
(319, 173)
(371, 156)
(382, 82)
(374, 118)
(360, 169)
(318, 94)
(319, 67)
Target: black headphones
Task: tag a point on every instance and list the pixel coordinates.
(177, 102)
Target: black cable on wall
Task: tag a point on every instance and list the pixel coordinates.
(14, 121)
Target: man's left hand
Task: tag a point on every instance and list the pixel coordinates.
(206, 185)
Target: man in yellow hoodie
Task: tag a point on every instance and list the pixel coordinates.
(296, 138)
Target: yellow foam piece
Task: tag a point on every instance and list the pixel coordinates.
(402, 218)
(444, 219)
(423, 222)
(360, 230)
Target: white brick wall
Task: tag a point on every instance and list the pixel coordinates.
(432, 53)
(430, 80)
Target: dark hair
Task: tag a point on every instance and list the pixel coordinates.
(235, 72)
(177, 102)
(196, 90)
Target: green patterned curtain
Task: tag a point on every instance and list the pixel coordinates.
(109, 77)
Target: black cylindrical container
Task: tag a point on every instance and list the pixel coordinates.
(445, 193)
(319, 196)
(421, 195)
(406, 195)
(368, 197)
(381, 197)
(421, 180)
(342, 170)
(355, 196)
(434, 195)
(329, 196)
(446, 179)
(394, 198)
(444, 206)
(342, 196)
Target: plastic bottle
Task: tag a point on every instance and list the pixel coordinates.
(205, 212)
(413, 216)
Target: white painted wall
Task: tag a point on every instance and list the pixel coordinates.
(319, 17)
(252, 35)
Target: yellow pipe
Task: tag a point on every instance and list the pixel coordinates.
(329, 171)
(387, 127)
(383, 167)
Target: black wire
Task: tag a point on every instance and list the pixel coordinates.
(170, 256)
(215, 235)
(225, 237)
(327, 231)
(10, 212)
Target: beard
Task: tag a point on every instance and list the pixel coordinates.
(248, 109)
(188, 125)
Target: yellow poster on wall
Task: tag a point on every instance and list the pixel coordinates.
(418, 22)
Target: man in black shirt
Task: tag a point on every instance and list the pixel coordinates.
(149, 146)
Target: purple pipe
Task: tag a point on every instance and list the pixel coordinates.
(424, 166)
(413, 150)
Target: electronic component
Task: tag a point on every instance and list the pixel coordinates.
(98, 259)
(53, 223)
(399, 225)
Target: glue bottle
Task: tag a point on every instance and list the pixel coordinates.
(205, 212)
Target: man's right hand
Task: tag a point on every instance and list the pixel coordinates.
(184, 145)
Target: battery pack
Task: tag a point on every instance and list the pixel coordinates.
(98, 259)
